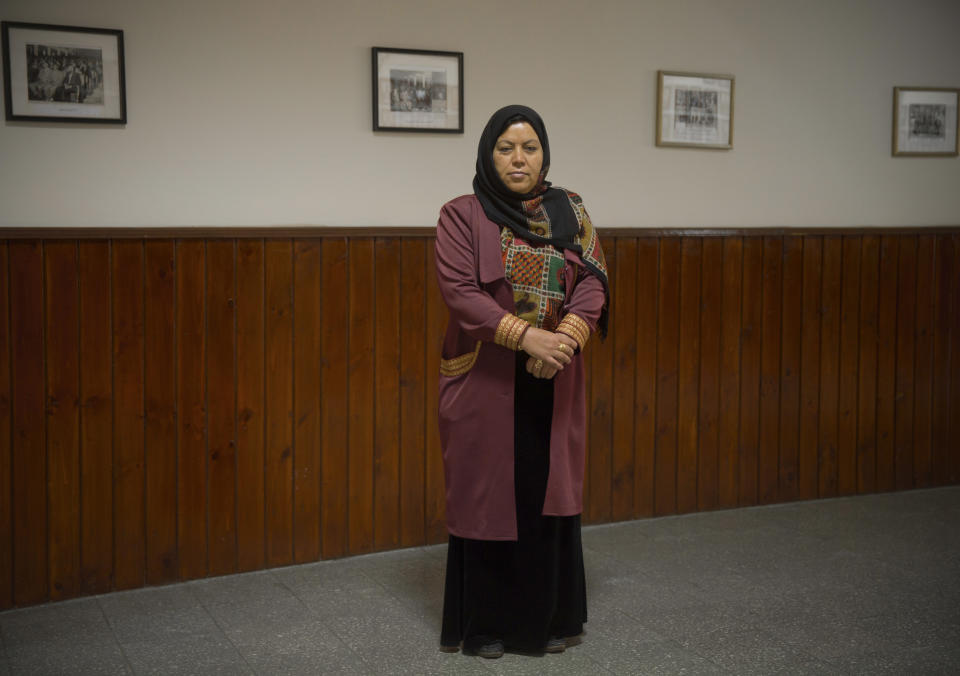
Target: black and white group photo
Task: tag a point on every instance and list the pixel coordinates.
(64, 74)
(418, 91)
(928, 120)
(695, 108)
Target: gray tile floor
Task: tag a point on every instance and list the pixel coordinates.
(861, 585)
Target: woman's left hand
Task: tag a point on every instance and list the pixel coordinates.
(546, 371)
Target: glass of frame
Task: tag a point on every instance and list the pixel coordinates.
(417, 90)
(63, 73)
(925, 121)
(694, 110)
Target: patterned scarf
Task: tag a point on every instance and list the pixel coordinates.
(536, 227)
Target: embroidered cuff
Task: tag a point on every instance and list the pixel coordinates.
(510, 331)
(576, 328)
(461, 364)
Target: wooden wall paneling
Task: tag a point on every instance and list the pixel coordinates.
(711, 302)
(645, 427)
(790, 364)
(886, 361)
(849, 358)
(307, 313)
(867, 394)
(278, 449)
(906, 329)
(587, 356)
(360, 395)
(6, 457)
(160, 392)
(386, 448)
(221, 513)
(829, 411)
(807, 474)
(129, 536)
(923, 402)
(436, 319)
(668, 338)
(96, 418)
(251, 504)
(729, 422)
(334, 338)
(943, 290)
(413, 383)
(688, 373)
(751, 334)
(191, 409)
(61, 318)
(598, 498)
(29, 438)
(624, 346)
(770, 374)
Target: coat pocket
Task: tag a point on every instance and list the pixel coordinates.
(457, 366)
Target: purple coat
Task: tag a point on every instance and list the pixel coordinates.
(476, 408)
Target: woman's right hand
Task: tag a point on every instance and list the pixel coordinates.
(553, 349)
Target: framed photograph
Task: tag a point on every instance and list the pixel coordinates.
(694, 110)
(925, 121)
(417, 90)
(63, 73)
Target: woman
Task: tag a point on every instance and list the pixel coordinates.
(521, 269)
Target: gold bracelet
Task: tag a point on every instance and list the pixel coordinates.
(509, 331)
(576, 328)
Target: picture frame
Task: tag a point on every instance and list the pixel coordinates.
(925, 122)
(695, 110)
(63, 73)
(417, 90)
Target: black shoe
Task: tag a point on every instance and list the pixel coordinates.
(555, 645)
(491, 650)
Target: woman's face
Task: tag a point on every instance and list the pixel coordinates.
(518, 157)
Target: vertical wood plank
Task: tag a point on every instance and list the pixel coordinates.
(750, 366)
(830, 330)
(849, 358)
(711, 304)
(729, 423)
(688, 373)
(278, 449)
(96, 419)
(807, 466)
(360, 395)
(251, 505)
(307, 313)
(790, 345)
(648, 275)
(770, 355)
(61, 318)
(923, 404)
(905, 355)
(221, 512)
(191, 410)
(6, 423)
(413, 381)
(437, 315)
(129, 534)
(943, 289)
(333, 402)
(386, 449)
(598, 498)
(29, 440)
(159, 386)
(886, 362)
(952, 448)
(867, 391)
(624, 345)
(668, 338)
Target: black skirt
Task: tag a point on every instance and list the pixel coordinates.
(527, 591)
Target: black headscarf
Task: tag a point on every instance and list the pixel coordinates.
(506, 207)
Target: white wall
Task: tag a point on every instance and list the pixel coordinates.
(246, 112)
